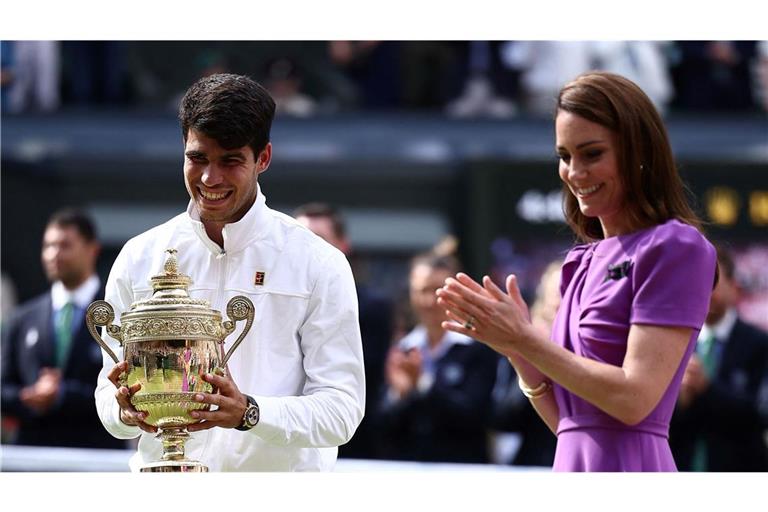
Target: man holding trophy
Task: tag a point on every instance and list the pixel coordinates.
(294, 390)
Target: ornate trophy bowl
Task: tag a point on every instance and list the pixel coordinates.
(169, 342)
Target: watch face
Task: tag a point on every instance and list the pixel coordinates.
(252, 416)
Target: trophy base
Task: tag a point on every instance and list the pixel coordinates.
(174, 466)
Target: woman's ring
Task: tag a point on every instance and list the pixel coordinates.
(470, 323)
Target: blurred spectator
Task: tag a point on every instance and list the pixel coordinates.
(6, 70)
(284, 81)
(643, 62)
(722, 410)
(206, 62)
(488, 85)
(544, 307)
(752, 277)
(713, 75)
(545, 66)
(761, 74)
(375, 313)
(49, 360)
(95, 72)
(513, 412)
(439, 383)
(210, 62)
(429, 71)
(373, 67)
(509, 259)
(35, 77)
(7, 298)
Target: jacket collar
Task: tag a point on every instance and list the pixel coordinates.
(238, 235)
(417, 338)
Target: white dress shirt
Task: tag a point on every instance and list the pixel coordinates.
(302, 359)
(81, 296)
(722, 329)
(418, 339)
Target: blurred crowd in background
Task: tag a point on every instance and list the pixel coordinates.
(497, 79)
(431, 397)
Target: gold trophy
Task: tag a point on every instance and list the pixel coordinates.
(170, 341)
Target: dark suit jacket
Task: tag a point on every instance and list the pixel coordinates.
(732, 414)
(513, 412)
(448, 422)
(376, 321)
(28, 344)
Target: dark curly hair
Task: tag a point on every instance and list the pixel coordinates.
(232, 109)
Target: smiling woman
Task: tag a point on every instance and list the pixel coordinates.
(589, 169)
(633, 298)
(635, 143)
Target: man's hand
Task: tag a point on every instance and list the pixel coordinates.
(230, 402)
(40, 396)
(128, 414)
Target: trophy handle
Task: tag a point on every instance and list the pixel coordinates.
(238, 308)
(99, 314)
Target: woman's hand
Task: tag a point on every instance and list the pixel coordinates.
(403, 370)
(500, 320)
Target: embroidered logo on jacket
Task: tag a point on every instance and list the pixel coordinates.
(259, 279)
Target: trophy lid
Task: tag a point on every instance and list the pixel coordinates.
(171, 289)
(170, 313)
(171, 278)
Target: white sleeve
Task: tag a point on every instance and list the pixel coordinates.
(119, 294)
(333, 400)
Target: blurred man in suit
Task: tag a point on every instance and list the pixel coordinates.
(50, 362)
(722, 410)
(375, 328)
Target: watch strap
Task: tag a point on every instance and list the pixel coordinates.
(250, 411)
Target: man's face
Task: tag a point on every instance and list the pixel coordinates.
(67, 256)
(323, 227)
(724, 296)
(222, 182)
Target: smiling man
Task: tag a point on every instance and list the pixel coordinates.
(295, 388)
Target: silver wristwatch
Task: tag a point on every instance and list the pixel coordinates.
(251, 416)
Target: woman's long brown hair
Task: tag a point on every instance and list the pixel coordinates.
(654, 190)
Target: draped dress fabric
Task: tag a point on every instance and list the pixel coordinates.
(657, 276)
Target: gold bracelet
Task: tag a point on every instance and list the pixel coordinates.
(536, 392)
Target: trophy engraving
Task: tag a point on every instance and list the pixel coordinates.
(169, 342)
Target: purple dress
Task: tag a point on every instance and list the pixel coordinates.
(659, 276)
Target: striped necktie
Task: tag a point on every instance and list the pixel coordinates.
(64, 333)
